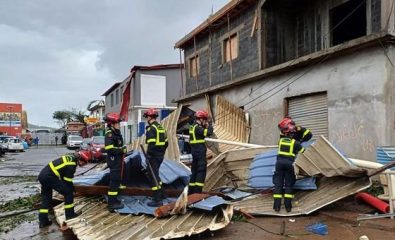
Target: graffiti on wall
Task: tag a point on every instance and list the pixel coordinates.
(355, 134)
(264, 126)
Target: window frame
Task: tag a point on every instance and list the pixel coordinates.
(228, 40)
(193, 65)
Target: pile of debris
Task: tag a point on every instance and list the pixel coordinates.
(239, 177)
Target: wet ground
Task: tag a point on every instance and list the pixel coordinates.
(18, 173)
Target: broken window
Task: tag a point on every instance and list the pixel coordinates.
(231, 48)
(194, 66)
(348, 21)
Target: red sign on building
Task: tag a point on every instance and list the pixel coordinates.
(10, 119)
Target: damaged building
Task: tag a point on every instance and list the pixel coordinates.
(328, 64)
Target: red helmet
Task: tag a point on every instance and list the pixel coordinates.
(112, 118)
(201, 114)
(286, 125)
(150, 113)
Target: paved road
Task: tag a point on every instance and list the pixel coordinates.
(30, 162)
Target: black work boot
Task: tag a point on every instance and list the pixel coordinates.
(162, 194)
(191, 190)
(288, 204)
(45, 224)
(156, 200)
(277, 204)
(43, 220)
(115, 205)
(70, 214)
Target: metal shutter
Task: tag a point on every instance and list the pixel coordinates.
(310, 112)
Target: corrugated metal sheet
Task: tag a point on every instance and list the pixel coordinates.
(262, 169)
(230, 124)
(385, 154)
(319, 159)
(311, 112)
(209, 203)
(97, 223)
(170, 124)
(329, 190)
(323, 158)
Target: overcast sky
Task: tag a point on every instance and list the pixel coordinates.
(62, 54)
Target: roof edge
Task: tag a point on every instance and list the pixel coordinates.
(216, 16)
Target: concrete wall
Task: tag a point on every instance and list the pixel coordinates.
(360, 89)
(290, 29)
(117, 106)
(173, 84)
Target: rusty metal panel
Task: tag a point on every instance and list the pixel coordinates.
(170, 124)
(96, 222)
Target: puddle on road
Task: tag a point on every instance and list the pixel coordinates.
(30, 230)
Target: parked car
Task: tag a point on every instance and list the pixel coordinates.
(73, 141)
(3, 149)
(85, 144)
(13, 144)
(96, 147)
(4, 137)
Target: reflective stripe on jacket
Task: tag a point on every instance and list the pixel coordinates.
(288, 147)
(64, 168)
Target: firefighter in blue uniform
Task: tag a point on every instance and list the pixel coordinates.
(198, 131)
(284, 177)
(58, 175)
(113, 145)
(156, 138)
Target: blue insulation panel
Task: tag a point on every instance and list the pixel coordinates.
(262, 170)
(209, 203)
(172, 174)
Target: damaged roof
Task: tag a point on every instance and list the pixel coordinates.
(320, 159)
(97, 223)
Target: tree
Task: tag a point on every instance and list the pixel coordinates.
(62, 117)
(78, 116)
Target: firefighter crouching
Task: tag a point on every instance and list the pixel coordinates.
(198, 131)
(113, 145)
(156, 138)
(58, 175)
(284, 175)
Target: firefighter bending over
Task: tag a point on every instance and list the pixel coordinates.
(58, 175)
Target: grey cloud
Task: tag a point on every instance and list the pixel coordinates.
(62, 54)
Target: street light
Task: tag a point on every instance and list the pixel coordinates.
(9, 116)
